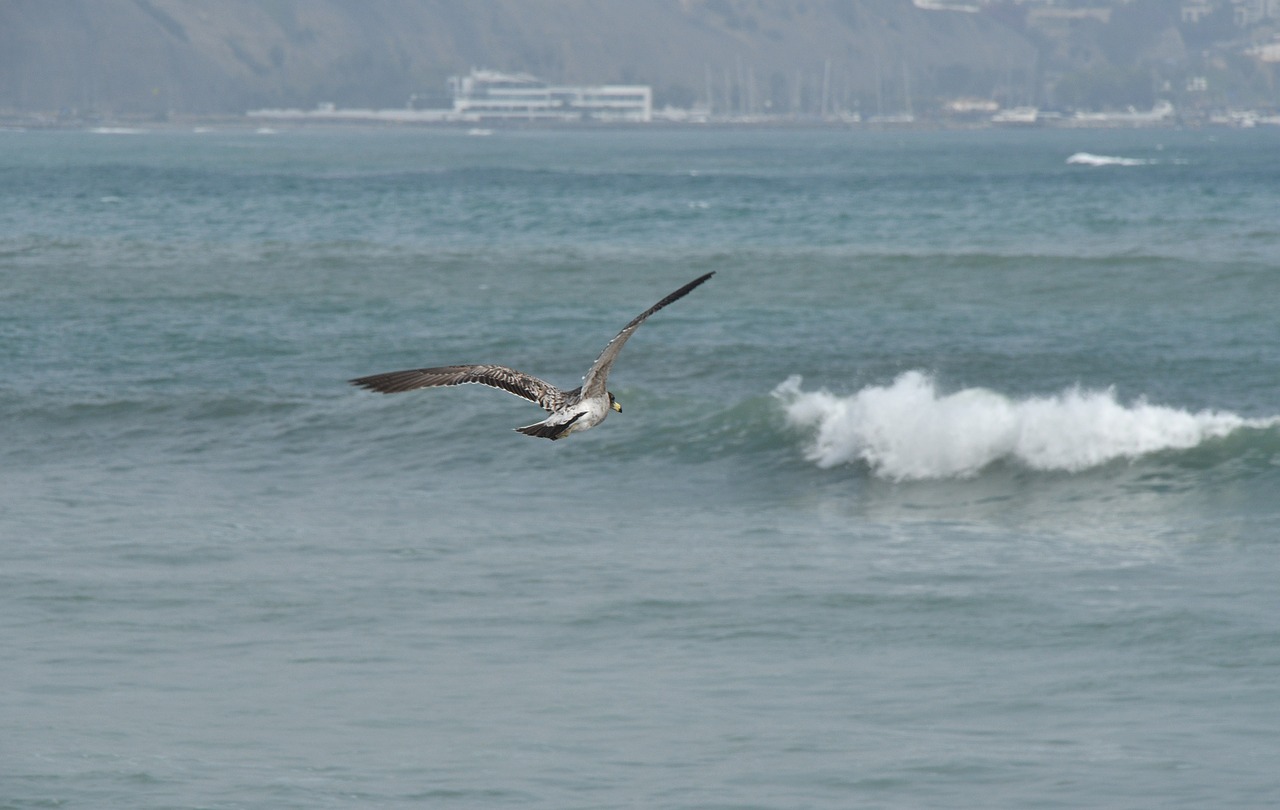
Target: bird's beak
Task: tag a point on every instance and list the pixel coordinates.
(616, 406)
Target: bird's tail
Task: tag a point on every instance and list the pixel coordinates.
(548, 431)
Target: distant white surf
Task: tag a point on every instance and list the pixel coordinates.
(908, 430)
(1089, 159)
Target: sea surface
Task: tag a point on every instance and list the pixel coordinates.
(958, 485)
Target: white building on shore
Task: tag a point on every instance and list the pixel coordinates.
(490, 95)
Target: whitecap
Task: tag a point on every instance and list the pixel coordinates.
(908, 430)
(1089, 159)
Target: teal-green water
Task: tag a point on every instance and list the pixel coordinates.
(955, 487)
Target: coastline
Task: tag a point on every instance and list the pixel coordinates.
(12, 120)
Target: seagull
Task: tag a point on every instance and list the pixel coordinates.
(571, 411)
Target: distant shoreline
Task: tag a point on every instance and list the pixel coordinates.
(297, 120)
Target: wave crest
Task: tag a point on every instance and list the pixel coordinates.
(1089, 159)
(908, 430)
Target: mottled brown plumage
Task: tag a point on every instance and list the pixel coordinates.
(570, 411)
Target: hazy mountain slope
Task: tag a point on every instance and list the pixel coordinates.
(178, 55)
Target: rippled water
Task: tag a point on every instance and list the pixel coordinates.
(955, 486)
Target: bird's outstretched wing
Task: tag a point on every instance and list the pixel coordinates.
(593, 385)
(508, 379)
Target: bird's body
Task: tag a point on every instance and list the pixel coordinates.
(570, 411)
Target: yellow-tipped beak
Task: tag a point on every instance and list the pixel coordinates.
(616, 406)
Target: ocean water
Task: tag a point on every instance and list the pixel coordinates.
(957, 486)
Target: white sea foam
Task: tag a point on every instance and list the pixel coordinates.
(1089, 159)
(909, 430)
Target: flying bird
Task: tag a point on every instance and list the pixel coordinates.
(570, 411)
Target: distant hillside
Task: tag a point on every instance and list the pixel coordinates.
(178, 56)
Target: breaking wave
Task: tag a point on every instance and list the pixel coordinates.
(1089, 159)
(908, 430)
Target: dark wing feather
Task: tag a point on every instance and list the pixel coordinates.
(593, 385)
(508, 379)
(552, 432)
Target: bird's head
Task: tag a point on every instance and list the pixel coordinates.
(613, 403)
